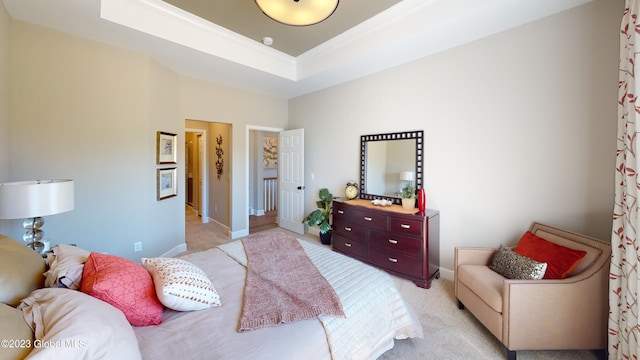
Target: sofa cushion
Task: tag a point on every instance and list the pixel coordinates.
(512, 265)
(21, 271)
(484, 282)
(561, 261)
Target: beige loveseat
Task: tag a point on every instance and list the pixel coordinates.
(566, 314)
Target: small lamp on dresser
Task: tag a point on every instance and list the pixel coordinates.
(32, 200)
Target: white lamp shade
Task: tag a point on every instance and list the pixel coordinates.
(298, 13)
(407, 175)
(28, 199)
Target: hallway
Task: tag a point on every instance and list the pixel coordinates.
(201, 236)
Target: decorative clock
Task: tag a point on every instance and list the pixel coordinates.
(351, 190)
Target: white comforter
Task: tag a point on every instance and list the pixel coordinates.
(376, 314)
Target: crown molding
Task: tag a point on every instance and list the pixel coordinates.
(165, 21)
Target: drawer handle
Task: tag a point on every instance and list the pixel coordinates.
(347, 244)
(393, 260)
(367, 218)
(405, 226)
(340, 212)
(393, 241)
(347, 228)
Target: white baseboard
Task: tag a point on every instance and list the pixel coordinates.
(446, 274)
(238, 234)
(175, 250)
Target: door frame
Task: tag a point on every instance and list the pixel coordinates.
(248, 159)
(204, 169)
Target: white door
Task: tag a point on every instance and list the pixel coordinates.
(291, 180)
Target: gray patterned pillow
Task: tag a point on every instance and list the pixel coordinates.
(515, 266)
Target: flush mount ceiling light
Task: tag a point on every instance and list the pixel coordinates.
(298, 12)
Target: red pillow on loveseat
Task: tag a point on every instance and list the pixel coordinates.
(561, 260)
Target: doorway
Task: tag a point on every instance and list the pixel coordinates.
(193, 170)
(263, 178)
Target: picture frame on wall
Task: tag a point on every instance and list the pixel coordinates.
(166, 148)
(167, 183)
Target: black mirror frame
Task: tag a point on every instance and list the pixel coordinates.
(418, 135)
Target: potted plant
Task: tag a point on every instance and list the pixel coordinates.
(320, 216)
(408, 196)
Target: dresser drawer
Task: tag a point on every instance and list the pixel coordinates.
(352, 248)
(406, 226)
(369, 219)
(400, 263)
(341, 211)
(350, 230)
(393, 242)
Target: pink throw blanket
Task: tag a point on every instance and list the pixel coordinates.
(282, 284)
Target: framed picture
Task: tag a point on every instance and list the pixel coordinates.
(270, 152)
(167, 183)
(166, 145)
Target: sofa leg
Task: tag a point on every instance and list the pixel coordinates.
(460, 305)
(511, 354)
(601, 354)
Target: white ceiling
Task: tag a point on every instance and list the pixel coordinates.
(198, 48)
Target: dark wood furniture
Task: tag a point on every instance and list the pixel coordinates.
(395, 239)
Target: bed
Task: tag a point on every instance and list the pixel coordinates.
(48, 321)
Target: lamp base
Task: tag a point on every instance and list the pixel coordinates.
(34, 235)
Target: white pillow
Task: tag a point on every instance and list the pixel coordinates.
(181, 285)
(66, 263)
(69, 324)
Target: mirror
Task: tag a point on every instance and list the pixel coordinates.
(387, 162)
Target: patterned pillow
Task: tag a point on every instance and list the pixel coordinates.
(124, 284)
(514, 266)
(181, 285)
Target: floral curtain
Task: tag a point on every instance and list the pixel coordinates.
(624, 325)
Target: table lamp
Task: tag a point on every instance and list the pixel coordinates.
(32, 200)
(407, 176)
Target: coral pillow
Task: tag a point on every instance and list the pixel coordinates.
(561, 260)
(125, 285)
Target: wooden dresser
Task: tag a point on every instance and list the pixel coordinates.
(392, 238)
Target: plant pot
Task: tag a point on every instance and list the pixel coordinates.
(408, 203)
(325, 238)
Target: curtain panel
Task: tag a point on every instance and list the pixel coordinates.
(624, 327)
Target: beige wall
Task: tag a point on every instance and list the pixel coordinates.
(519, 127)
(4, 94)
(204, 101)
(90, 111)
(4, 104)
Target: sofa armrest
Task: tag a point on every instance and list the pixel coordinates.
(557, 314)
(473, 256)
(470, 256)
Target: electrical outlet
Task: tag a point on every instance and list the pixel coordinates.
(137, 246)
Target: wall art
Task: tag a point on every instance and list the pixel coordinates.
(166, 146)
